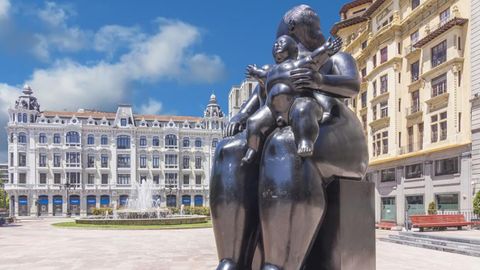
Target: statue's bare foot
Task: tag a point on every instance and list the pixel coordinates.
(249, 156)
(305, 148)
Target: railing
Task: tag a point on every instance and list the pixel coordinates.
(410, 49)
(411, 147)
(468, 214)
(414, 108)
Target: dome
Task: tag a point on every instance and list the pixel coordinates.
(27, 90)
(213, 98)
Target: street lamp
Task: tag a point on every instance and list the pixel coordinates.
(67, 187)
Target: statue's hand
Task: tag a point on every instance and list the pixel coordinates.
(232, 128)
(306, 78)
(333, 45)
(251, 72)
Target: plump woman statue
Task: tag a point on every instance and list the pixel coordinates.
(277, 204)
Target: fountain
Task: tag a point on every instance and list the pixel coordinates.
(142, 209)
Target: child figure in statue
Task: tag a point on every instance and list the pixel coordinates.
(285, 105)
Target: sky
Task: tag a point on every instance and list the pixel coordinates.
(162, 57)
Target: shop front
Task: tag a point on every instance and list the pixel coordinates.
(198, 200)
(187, 200)
(42, 205)
(104, 201)
(57, 205)
(23, 209)
(75, 205)
(91, 203)
(389, 210)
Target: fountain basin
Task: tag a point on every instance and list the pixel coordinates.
(173, 220)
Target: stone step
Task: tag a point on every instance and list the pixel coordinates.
(441, 237)
(445, 243)
(467, 252)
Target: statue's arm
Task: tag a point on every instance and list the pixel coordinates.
(249, 107)
(340, 80)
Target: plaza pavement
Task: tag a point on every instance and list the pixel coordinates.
(35, 244)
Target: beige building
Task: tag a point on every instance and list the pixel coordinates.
(238, 95)
(414, 103)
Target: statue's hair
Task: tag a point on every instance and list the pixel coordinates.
(301, 14)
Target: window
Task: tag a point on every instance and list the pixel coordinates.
(42, 179)
(383, 84)
(387, 175)
(439, 122)
(171, 141)
(90, 179)
(364, 45)
(123, 142)
(72, 159)
(143, 161)
(42, 138)
(56, 138)
(186, 162)
(156, 179)
(446, 166)
(155, 141)
(123, 122)
(198, 142)
(123, 179)
(374, 112)
(104, 140)
(186, 142)
(73, 178)
(73, 138)
(123, 161)
(198, 180)
(171, 180)
(383, 109)
(22, 159)
(439, 53)
(363, 99)
(104, 161)
(12, 161)
(414, 171)
(439, 85)
(383, 55)
(444, 16)
(214, 143)
(90, 161)
(380, 143)
(447, 202)
(22, 178)
(414, 37)
(198, 162)
(420, 136)
(186, 179)
(414, 71)
(104, 179)
(22, 138)
(56, 160)
(374, 87)
(156, 162)
(90, 139)
(415, 3)
(57, 178)
(415, 102)
(374, 61)
(364, 122)
(171, 161)
(143, 141)
(363, 72)
(25, 120)
(42, 160)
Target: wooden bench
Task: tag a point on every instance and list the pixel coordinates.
(439, 221)
(385, 224)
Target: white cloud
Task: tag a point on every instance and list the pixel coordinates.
(4, 9)
(110, 38)
(53, 14)
(206, 68)
(151, 107)
(8, 95)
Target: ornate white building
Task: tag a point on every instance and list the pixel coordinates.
(71, 162)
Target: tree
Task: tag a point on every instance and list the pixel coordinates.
(432, 208)
(4, 200)
(476, 204)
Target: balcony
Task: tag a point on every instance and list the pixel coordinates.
(439, 29)
(411, 147)
(414, 111)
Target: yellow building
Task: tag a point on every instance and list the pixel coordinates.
(414, 103)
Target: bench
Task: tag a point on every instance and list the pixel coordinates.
(439, 221)
(385, 224)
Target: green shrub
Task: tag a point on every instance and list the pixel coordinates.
(432, 208)
(192, 210)
(476, 204)
(101, 211)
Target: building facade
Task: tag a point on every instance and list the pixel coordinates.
(239, 94)
(475, 98)
(414, 101)
(71, 162)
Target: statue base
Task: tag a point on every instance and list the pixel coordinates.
(346, 240)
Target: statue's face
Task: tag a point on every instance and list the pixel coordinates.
(281, 49)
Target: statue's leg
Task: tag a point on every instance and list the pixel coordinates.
(305, 114)
(291, 203)
(259, 125)
(234, 204)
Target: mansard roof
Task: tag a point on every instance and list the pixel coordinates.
(111, 116)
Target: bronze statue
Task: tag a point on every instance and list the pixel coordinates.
(276, 203)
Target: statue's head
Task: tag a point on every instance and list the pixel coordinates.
(303, 25)
(284, 48)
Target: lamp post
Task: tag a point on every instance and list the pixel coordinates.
(67, 186)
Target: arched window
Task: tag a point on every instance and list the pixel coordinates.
(198, 200)
(32, 118)
(171, 140)
(214, 143)
(73, 137)
(91, 139)
(123, 142)
(198, 142)
(22, 137)
(19, 117)
(186, 142)
(156, 141)
(42, 138)
(171, 201)
(143, 141)
(104, 140)
(25, 118)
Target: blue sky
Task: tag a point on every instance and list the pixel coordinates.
(160, 56)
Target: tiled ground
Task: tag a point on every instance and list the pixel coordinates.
(37, 245)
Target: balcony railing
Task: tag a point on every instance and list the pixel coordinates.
(414, 109)
(411, 147)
